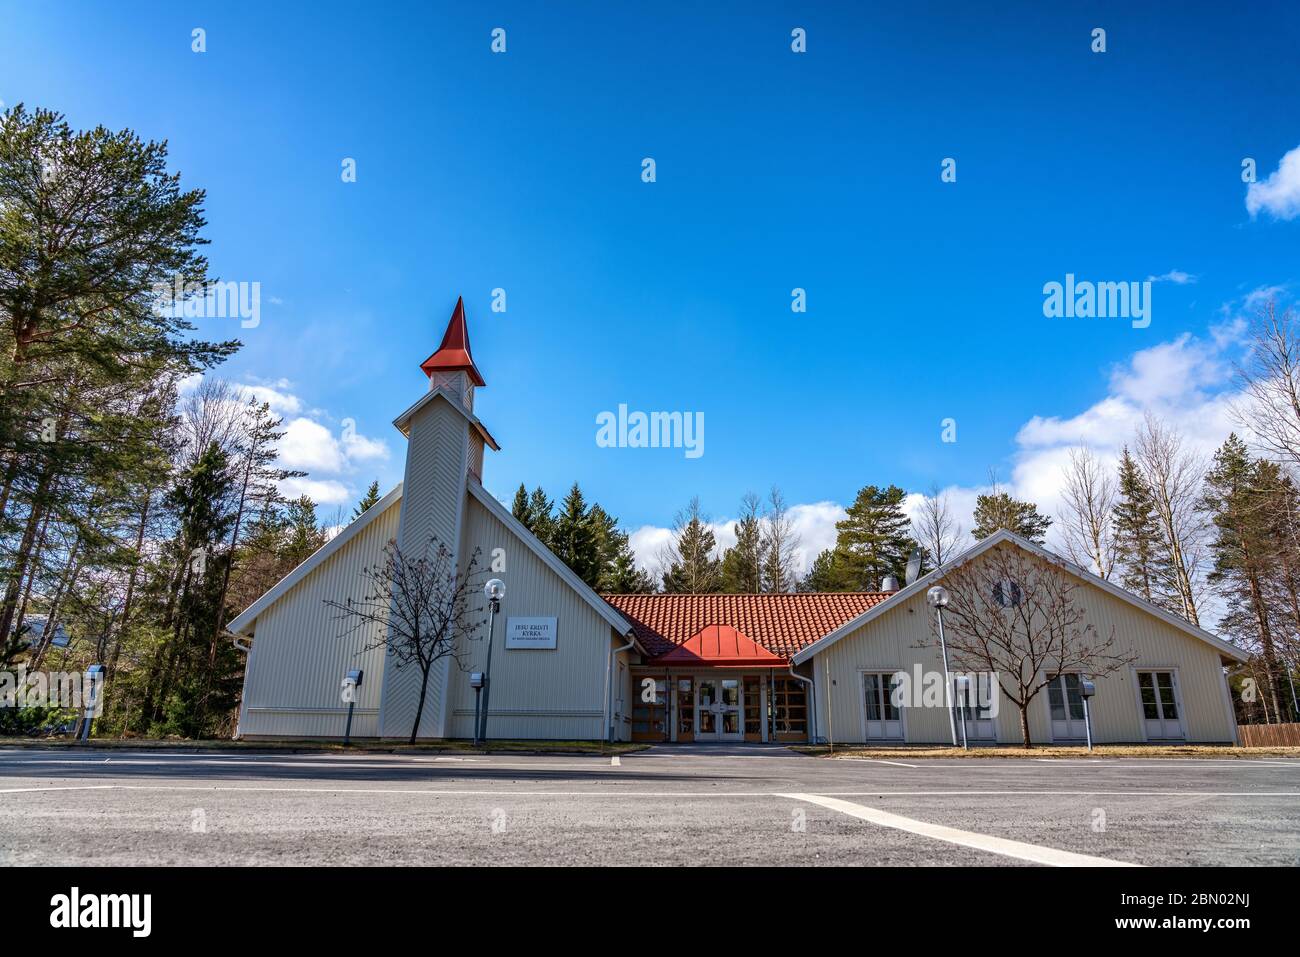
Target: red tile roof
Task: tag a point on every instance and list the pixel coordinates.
(782, 624)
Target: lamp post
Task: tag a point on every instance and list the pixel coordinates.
(351, 682)
(92, 702)
(938, 599)
(494, 591)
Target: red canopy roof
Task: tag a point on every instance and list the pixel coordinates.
(720, 646)
(454, 355)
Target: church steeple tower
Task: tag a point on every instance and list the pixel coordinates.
(452, 366)
(444, 455)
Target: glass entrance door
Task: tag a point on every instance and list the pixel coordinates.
(717, 710)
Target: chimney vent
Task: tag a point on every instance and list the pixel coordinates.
(889, 585)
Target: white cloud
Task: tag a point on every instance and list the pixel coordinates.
(1279, 195)
(281, 403)
(327, 492)
(814, 525)
(1257, 297)
(1176, 276)
(310, 446)
(358, 448)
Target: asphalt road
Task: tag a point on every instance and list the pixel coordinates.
(660, 807)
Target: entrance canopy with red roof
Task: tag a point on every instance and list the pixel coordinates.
(720, 646)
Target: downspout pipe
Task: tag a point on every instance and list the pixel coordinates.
(609, 691)
(813, 737)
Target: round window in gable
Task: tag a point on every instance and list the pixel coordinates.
(1006, 593)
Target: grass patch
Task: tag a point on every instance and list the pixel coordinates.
(1051, 751)
(304, 746)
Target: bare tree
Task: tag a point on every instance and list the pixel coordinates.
(418, 607)
(936, 528)
(214, 412)
(1018, 615)
(780, 542)
(1174, 475)
(1085, 515)
(1271, 382)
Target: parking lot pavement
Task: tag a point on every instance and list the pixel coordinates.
(666, 806)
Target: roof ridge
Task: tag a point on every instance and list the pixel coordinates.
(741, 594)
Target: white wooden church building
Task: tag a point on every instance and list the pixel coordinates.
(569, 664)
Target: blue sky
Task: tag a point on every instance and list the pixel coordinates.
(775, 170)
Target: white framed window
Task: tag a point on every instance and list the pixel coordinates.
(1065, 708)
(978, 715)
(1007, 593)
(1162, 714)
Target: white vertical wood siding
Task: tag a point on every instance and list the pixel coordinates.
(300, 652)
(888, 643)
(556, 695)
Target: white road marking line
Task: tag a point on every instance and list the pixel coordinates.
(453, 792)
(897, 764)
(1034, 853)
(614, 762)
(333, 766)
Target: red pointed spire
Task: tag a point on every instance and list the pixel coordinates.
(454, 355)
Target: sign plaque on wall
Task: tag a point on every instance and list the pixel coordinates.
(531, 633)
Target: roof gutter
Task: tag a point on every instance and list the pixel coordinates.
(812, 704)
(234, 640)
(609, 691)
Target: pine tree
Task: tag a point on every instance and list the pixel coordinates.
(742, 563)
(826, 573)
(998, 510)
(371, 497)
(692, 562)
(624, 578)
(200, 502)
(258, 477)
(303, 533)
(618, 573)
(540, 509)
(520, 509)
(1137, 539)
(574, 539)
(873, 540)
(1238, 499)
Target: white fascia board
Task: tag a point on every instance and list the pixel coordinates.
(588, 594)
(403, 420)
(930, 578)
(243, 623)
